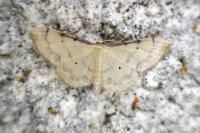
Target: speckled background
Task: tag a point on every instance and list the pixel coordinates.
(32, 99)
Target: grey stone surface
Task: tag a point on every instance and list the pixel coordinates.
(32, 99)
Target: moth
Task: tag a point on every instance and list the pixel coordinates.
(102, 66)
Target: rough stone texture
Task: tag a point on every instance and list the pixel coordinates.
(32, 99)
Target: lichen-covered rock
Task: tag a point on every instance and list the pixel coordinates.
(33, 99)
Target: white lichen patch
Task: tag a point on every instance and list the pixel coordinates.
(108, 19)
(165, 73)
